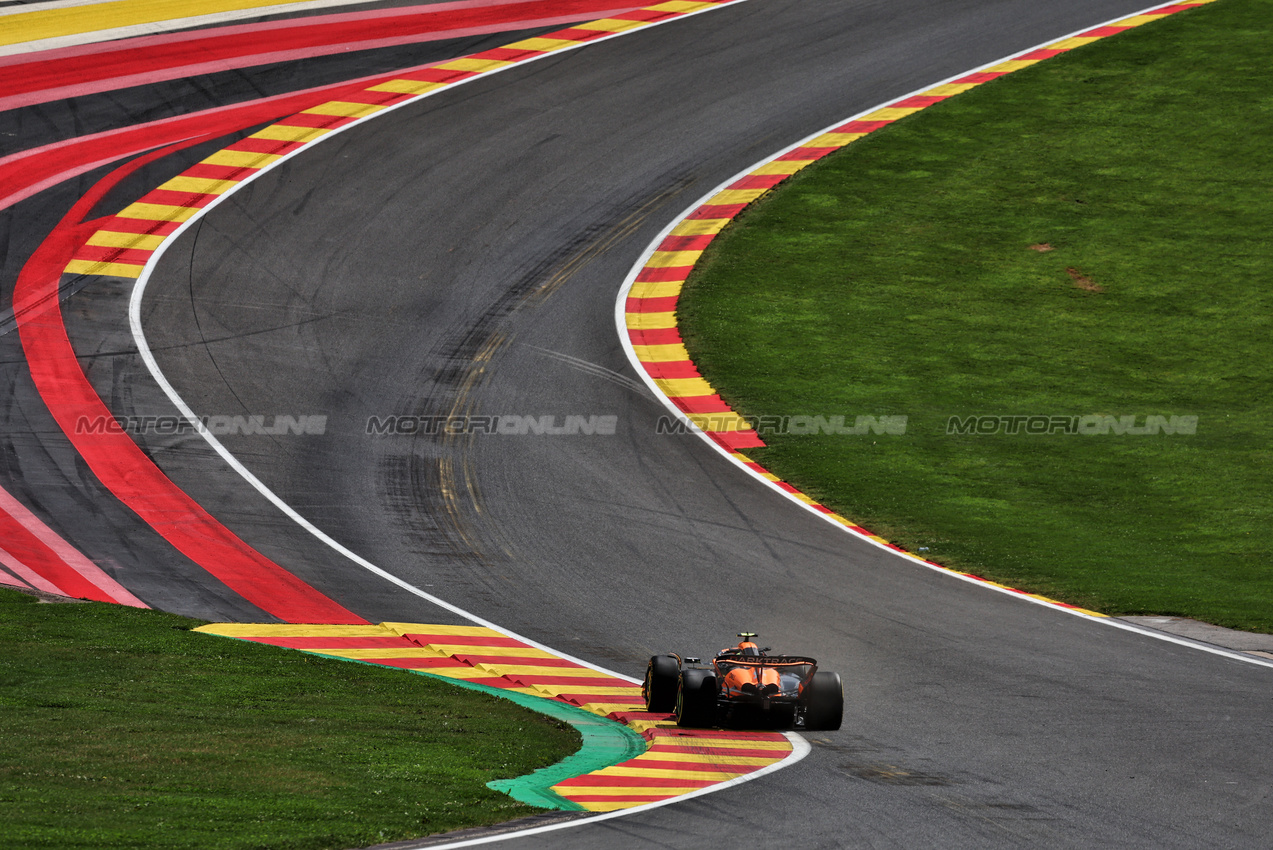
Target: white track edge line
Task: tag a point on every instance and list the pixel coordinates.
(799, 749)
(621, 325)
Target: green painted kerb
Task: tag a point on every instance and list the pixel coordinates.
(605, 742)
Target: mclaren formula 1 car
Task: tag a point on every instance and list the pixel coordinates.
(744, 686)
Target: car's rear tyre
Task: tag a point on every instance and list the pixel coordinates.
(696, 699)
(659, 689)
(826, 703)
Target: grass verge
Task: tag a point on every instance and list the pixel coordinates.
(1089, 236)
(120, 728)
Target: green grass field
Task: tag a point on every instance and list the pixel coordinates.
(1089, 236)
(120, 728)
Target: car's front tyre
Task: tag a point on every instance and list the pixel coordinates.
(659, 688)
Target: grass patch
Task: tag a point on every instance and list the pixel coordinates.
(120, 728)
(1087, 236)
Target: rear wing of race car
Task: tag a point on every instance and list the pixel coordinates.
(767, 660)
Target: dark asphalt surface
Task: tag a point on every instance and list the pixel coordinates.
(463, 254)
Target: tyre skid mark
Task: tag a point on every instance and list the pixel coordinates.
(125, 244)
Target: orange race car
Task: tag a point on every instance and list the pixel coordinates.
(744, 686)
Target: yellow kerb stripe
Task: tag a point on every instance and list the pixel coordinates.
(343, 109)
(659, 773)
(1064, 44)
(833, 140)
(284, 133)
(706, 758)
(682, 6)
(739, 743)
(477, 66)
(676, 387)
(70, 20)
(604, 708)
(1013, 65)
(736, 196)
(672, 259)
(568, 791)
(782, 166)
(890, 113)
(1137, 20)
(511, 651)
(542, 45)
(114, 239)
(650, 321)
(199, 185)
(609, 25)
(96, 267)
(587, 690)
(407, 86)
(386, 652)
(671, 353)
(595, 806)
(157, 212)
(240, 159)
(459, 672)
(531, 670)
(430, 629)
(950, 89)
(249, 630)
(700, 227)
(656, 288)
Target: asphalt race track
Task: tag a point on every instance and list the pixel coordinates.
(462, 255)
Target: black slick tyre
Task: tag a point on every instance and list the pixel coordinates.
(696, 699)
(826, 703)
(659, 688)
